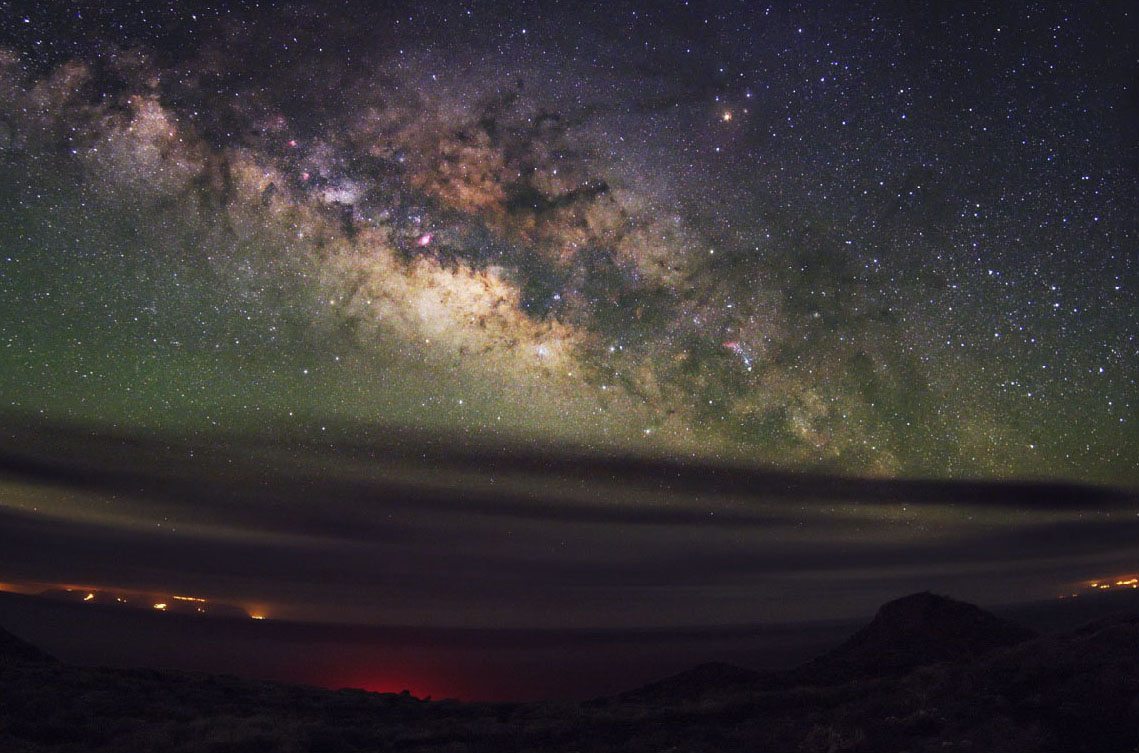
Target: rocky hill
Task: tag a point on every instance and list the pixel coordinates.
(910, 632)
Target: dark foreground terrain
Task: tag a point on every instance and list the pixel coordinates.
(928, 673)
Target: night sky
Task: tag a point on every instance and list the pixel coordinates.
(568, 314)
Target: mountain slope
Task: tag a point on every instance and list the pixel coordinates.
(15, 649)
(914, 631)
(979, 683)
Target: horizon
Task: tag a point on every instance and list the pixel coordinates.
(741, 545)
(466, 664)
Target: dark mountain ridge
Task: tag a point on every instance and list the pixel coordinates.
(911, 632)
(13, 649)
(927, 673)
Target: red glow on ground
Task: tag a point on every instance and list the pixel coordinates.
(418, 687)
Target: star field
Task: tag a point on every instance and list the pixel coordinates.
(806, 237)
(622, 315)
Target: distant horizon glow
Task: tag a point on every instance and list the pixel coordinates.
(127, 598)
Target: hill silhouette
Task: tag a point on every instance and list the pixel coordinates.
(13, 649)
(914, 631)
(711, 677)
(927, 673)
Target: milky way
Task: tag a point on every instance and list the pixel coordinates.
(523, 314)
(793, 239)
